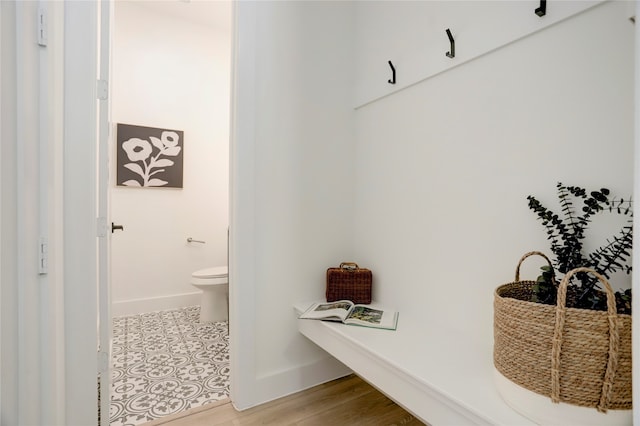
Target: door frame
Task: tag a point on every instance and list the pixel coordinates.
(103, 206)
(81, 32)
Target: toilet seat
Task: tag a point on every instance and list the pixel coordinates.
(211, 276)
(215, 272)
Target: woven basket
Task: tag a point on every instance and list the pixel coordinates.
(576, 356)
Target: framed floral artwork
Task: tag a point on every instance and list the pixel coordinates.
(149, 156)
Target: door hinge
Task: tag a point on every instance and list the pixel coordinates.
(103, 90)
(102, 228)
(42, 26)
(43, 256)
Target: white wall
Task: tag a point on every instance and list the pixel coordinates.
(441, 169)
(170, 72)
(48, 345)
(413, 36)
(292, 187)
(32, 384)
(8, 220)
(444, 167)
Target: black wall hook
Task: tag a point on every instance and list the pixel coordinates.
(451, 53)
(542, 10)
(393, 70)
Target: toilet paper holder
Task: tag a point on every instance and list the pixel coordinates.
(191, 240)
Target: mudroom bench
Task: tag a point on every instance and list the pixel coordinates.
(442, 376)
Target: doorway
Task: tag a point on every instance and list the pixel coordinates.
(170, 70)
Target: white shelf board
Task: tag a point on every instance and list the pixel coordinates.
(443, 377)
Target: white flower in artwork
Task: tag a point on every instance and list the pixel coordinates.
(144, 163)
(137, 149)
(170, 138)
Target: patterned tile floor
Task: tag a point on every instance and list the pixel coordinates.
(166, 362)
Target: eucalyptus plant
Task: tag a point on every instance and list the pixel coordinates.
(566, 232)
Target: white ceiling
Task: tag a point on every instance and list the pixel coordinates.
(214, 13)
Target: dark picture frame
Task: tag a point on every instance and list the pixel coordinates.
(149, 157)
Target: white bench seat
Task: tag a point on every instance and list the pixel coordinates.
(443, 377)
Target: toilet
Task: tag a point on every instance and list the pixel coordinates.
(214, 283)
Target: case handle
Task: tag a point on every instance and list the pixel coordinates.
(350, 266)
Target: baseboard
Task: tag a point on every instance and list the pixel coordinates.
(283, 383)
(152, 304)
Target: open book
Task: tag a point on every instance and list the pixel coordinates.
(347, 312)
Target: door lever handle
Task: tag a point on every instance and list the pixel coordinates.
(116, 227)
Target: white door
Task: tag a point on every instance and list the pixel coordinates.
(105, 226)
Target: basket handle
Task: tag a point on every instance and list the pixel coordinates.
(531, 253)
(351, 266)
(614, 339)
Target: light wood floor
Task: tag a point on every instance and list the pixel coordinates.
(346, 401)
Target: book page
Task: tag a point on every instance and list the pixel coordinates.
(371, 317)
(336, 311)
